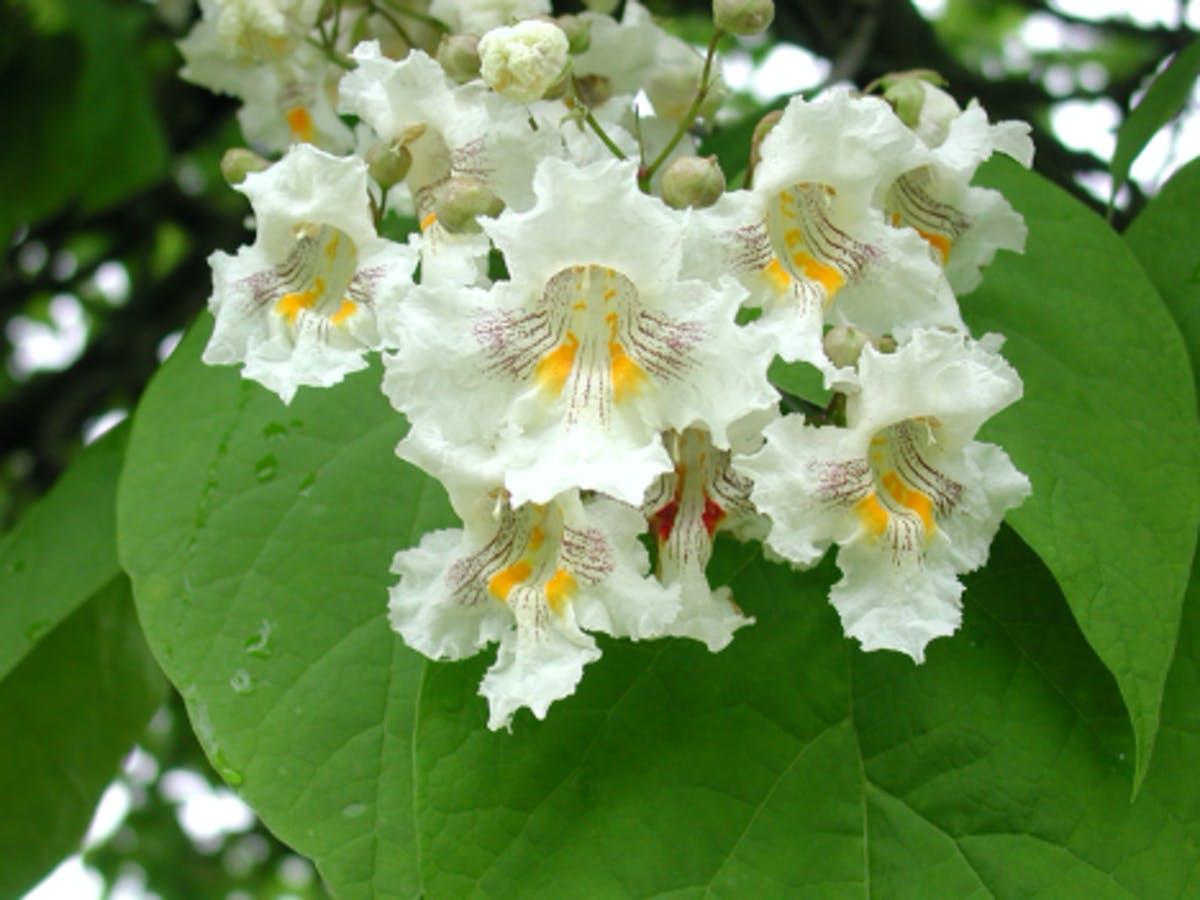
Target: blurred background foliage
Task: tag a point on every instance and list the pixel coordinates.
(113, 200)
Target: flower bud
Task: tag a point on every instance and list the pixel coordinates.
(578, 32)
(921, 104)
(459, 201)
(238, 162)
(761, 130)
(459, 56)
(744, 17)
(843, 345)
(389, 163)
(695, 181)
(593, 90)
(672, 90)
(885, 344)
(524, 61)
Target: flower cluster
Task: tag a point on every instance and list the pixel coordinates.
(585, 366)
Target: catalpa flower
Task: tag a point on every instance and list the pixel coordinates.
(566, 374)
(298, 307)
(905, 491)
(686, 508)
(537, 578)
(811, 241)
(964, 225)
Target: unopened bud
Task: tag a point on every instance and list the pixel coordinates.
(238, 162)
(593, 90)
(695, 181)
(578, 32)
(761, 130)
(524, 61)
(672, 90)
(459, 201)
(843, 345)
(389, 163)
(459, 56)
(885, 344)
(921, 104)
(744, 17)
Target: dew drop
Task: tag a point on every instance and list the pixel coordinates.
(17, 565)
(265, 468)
(354, 810)
(296, 423)
(307, 483)
(35, 631)
(231, 775)
(241, 682)
(275, 432)
(259, 643)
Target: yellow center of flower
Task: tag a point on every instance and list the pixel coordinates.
(316, 277)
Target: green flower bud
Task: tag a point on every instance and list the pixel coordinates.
(578, 32)
(744, 17)
(459, 56)
(695, 181)
(761, 130)
(885, 344)
(389, 163)
(459, 201)
(843, 345)
(238, 162)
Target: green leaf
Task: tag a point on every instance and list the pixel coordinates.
(800, 379)
(1163, 100)
(259, 539)
(1106, 432)
(62, 550)
(1163, 238)
(791, 764)
(69, 713)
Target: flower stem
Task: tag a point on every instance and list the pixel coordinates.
(689, 118)
(419, 16)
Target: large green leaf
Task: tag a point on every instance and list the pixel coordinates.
(1163, 237)
(69, 712)
(1167, 94)
(61, 551)
(259, 539)
(791, 764)
(1106, 432)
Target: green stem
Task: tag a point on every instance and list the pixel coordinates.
(602, 134)
(689, 118)
(391, 20)
(332, 55)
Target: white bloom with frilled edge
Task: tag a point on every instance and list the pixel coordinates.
(566, 374)
(964, 225)
(810, 241)
(905, 491)
(537, 578)
(523, 61)
(685, 508)
(299, 306)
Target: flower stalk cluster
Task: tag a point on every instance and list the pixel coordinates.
(600, 413)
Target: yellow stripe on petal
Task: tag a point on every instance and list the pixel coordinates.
(290, 305)
(910, 499)
(428, 221)
(939, 242)
(502, 583)
(872, 515)
(555, 367)
(345, 311)
(559, 589)
(300, 123)
(828, 277)
(777, 276)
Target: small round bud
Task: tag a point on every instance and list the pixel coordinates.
(672, 89)
(578, 32)
(843, 345)
(459, 56)
(921, 104)
(761, 130)
(593, 90)
(238, 162)
(389, 163)
(524, 61)
(885, 344)
(695, 181)
(459, 201)
(744, 17)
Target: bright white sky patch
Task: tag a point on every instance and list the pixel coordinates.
(1087, 125)
(38, 346)
(1143, 12)
(98, 426)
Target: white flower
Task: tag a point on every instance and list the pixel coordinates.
(535, 578)
(686, 507)
(811, 241)
(965, 225)
(523, 61)
(298, 307)
(481, 16)
(565, 375)
(904, 489)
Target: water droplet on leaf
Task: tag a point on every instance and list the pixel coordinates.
(265, 468)
(241, 682)
(354, 810)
